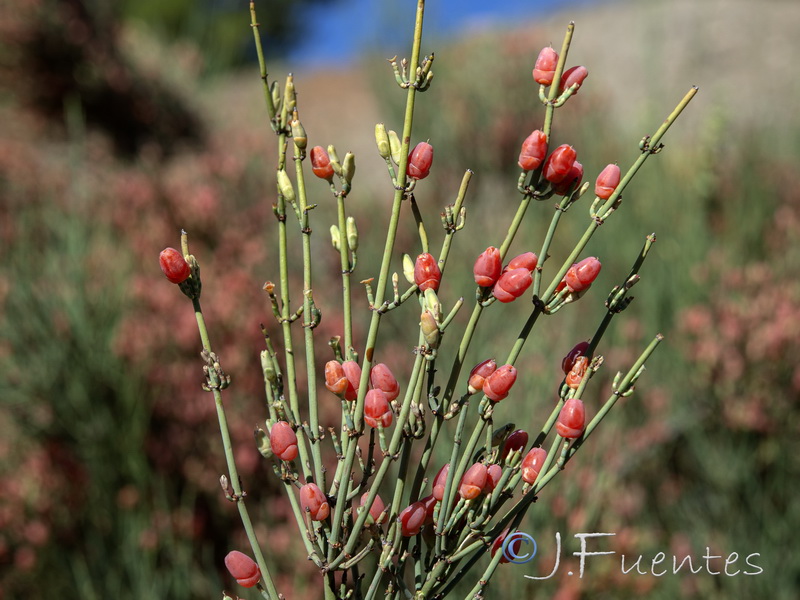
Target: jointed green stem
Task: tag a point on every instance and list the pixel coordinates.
(548, 239)
(286, 327)
(308, 326)
(562, 59)
(394, 447)
(227, 447)
(391, 234)
(344, 255)
(262, 64)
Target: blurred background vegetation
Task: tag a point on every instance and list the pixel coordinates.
(124, 123)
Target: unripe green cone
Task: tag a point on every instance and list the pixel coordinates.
(263, 443)
(285, 186)
(299, 133)
(408, 268)
(336, 238)
(352, 234)
(337, 166)
(396, 146)
(349, 167)
(275, 92)
(430, 330)
(289, 97)
(268, 368)
(382, 140)
(432, 303)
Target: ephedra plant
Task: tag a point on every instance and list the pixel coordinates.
(376, 513)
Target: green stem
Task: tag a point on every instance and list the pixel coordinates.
(562, 59)
(452, 482)
(394, 446)
(623, 387)
(374, 326)
(309, 324)
(233, 473)
(654, 142)
(262, 64)
(548, 239)
(286, 327)
(344, 255)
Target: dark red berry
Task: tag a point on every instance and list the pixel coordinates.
(473, 482)
(571, 419)
(283, 440)
(377, 409)
(174, 265)
(572, 76)
(607, 182)
(420, 160)
(545, 67)
(381, 378)
(488, 267)
(427, 273)
(533, 151)
(581, 275)
(559, 164)
(532, 464)
(243, 569)
(321, 163)
(314, 501)
(512, 284)
(498, 384)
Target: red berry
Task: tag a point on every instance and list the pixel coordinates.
(412, 518)
(335, 379)
(440, 481)
(377, 409)
(517, 440)
(420, 160)
(498, 544)
(528, 260)
(243, 568)
(569, 360)
(479, 373)
(473, 482)
(581, 275)
(352, 371)
(381, 378)
(377, 508)
(571, 419)
(533, 151)
(571, 181)
(427, 273)
(498, 384)
(488, 267)
(607, 182)
(512, 284)
(493, 474)
(545, 67)
(532, 464)
(577, 372)
(572, 76)
(321, 163)
(429, 502)
(559, 164)
(174, 265)
(283, 441)
(314, 501)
